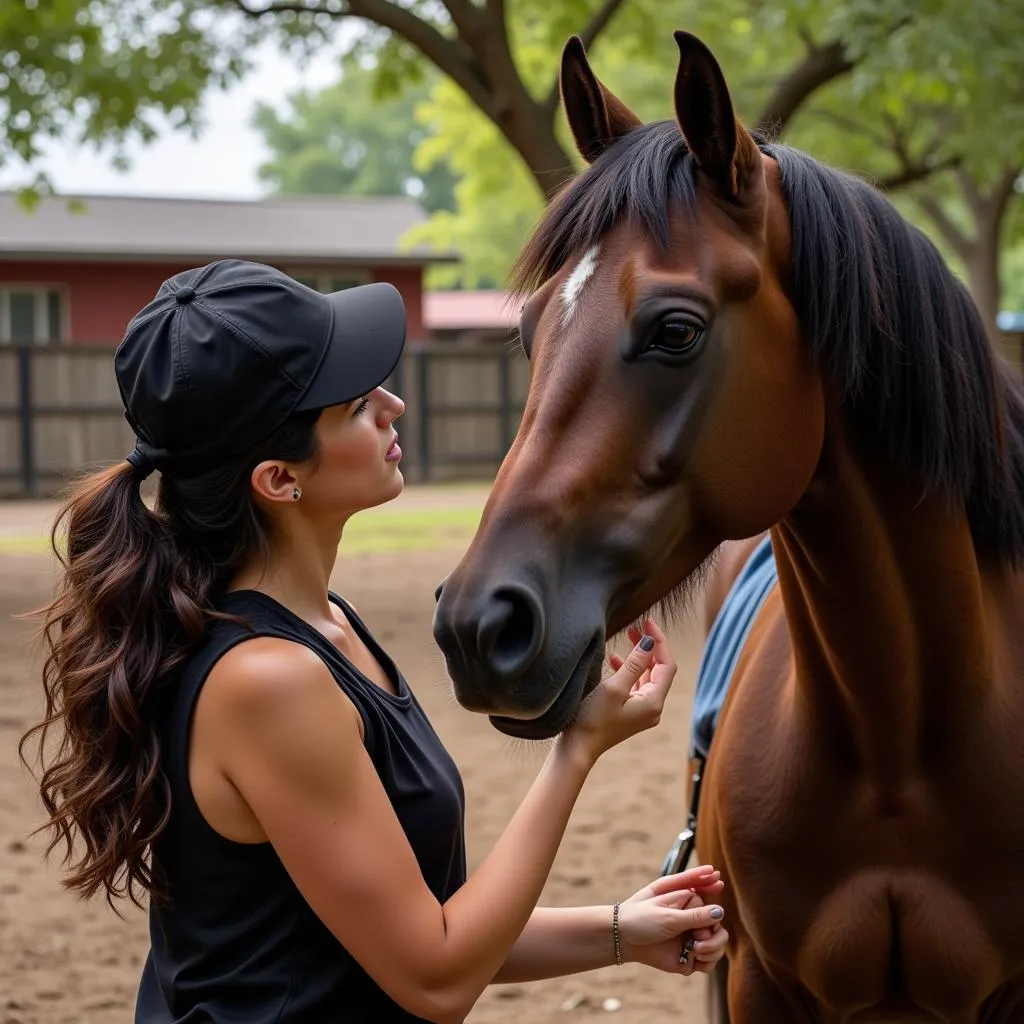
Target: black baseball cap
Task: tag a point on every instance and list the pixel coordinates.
(225, 353)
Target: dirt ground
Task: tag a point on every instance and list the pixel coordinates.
(63, 961)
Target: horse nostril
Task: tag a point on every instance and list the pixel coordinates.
(511, 631)
(439, 590)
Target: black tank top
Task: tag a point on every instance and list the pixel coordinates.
(236, 941)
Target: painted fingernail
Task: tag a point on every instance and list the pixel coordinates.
(647, 643)
(716, 913)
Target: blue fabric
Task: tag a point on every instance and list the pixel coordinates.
(726, 639)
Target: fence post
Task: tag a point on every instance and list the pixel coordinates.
(424, 401)
(505, 401)
(25, 418)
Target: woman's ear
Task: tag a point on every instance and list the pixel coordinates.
(274, 481)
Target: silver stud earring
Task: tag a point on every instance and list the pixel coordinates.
(296, 494)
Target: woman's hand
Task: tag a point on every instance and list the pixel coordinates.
(669, 916)
(629, 701)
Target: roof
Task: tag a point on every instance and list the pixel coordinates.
(463, 311)
(308, 228)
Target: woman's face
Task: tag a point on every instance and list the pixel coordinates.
(359, 456)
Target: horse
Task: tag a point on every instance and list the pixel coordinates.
(727, 338)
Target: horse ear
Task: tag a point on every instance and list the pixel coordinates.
(721, 146)
(596, 116)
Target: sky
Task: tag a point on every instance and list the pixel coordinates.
(221, 163)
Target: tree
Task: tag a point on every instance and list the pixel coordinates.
(343, 140)
(892, 88)
(481, 44)
(943, 119)
(102, 73)
(160, 54)
(122, 61)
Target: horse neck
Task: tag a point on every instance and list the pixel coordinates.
(885, 601)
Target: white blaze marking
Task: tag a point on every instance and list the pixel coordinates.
(577, 279)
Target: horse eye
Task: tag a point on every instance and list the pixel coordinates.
(677, 337)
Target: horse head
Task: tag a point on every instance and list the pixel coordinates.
(672, 403)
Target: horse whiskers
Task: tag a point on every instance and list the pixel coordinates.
(678, 604)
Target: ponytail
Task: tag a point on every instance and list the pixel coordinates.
(135, 599)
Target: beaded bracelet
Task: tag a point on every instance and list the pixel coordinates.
(616, 937)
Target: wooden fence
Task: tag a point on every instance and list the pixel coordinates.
(60, 412)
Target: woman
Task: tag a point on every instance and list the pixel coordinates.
(238, 746)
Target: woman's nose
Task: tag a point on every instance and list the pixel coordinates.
(391, 409)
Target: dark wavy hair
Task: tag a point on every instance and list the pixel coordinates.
(137, 593)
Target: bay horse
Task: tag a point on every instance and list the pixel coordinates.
(727, 337)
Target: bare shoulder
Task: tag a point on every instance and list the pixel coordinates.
(269, 681)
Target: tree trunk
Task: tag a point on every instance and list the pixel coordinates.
(979, 251)
(535, 141)
(527, 124)
(982, 265)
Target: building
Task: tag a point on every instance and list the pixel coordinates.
(471, 317)
(74, 270)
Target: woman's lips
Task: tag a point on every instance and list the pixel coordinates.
(394, 453)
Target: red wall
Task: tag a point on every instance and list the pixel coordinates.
(409, 281)
(104, 296)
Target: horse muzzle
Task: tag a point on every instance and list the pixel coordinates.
(514, 658)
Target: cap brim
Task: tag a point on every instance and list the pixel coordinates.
(366, 344)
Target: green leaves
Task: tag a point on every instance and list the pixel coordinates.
(344, 141)
(897, 89)
(100, 72)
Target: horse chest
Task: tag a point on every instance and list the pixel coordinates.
(866, 904)
(891, 939)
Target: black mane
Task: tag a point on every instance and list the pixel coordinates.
(892, 330)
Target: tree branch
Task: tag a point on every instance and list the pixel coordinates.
(851, 126)
(960, 243)
(821, 65)
(451, 56)
(912, 173)
(282, 6)
(1003, 190)
(597, 24)
(497, 9)
(465, 17)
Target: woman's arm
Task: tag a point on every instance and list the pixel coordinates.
(289, 742)
(570, 940)
(559, 941)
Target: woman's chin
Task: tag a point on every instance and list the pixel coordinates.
(393, 486)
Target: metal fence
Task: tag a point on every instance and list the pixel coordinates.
(60, 412)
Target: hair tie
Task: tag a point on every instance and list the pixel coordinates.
(140, 460)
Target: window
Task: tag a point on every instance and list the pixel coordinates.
(31, 313)
(332, 280)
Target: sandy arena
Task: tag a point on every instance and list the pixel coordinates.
(65, 962)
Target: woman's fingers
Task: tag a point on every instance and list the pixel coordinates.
(664, 663)
(663, 670)
(690, 879)
(712, 888)
(635, 635)
(712, 947)
(708, 952)
(633, 666)
(697, 917)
